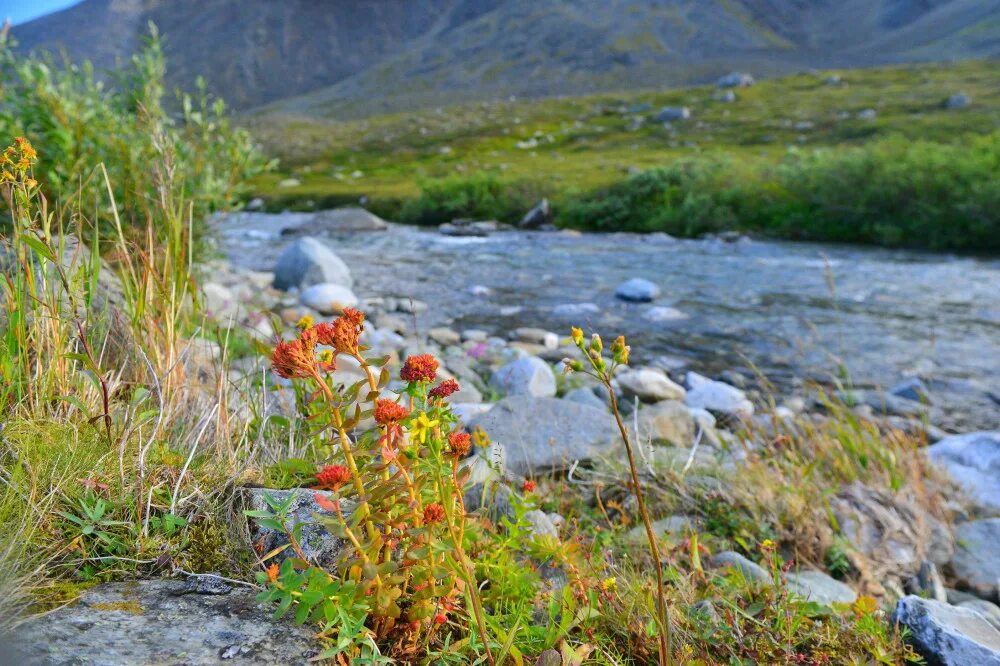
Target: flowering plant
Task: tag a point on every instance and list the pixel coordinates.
(406, 528)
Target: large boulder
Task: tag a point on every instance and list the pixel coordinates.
(946, 635)
(671, 113)
(717, 397)
(309, 261)
(649, 385)
(637, 290)
(342, 220)
(138, 623)
(976, 562)
(736, 80)
(543, 434)
(973, 461)
(527, 376)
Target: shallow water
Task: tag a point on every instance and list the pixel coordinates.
(793, 310)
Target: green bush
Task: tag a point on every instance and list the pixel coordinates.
(152, 157)
(481, 196)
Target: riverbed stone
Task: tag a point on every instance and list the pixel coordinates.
(649, 385)
(976, 561)
(973, 461)
(586, 396)
(668, 421)
(444, 336)
(537, 336)
(537, 217)
(544, 434)
(819, 587)
(526, 376)
(948, 635)
(327, 298)
(309, 261)
(637, 290)
(139, 623)
(717, 397)
(342, 220)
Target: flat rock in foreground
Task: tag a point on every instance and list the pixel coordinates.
(163, 623)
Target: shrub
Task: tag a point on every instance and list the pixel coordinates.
(482, 196)
(152, 158)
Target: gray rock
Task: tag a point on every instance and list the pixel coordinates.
(717, 397)
(957, 101)
(219, 301)
(668, 421)
(541, 524)
(309, 261)
(318, 545)
(728, 97)
(575, 309)
(539, 216)
(637, 290)
(883, 403)
(444, 336)
(988, 610)
(729, 559)
(327, 298)
(163, 622)
(662, 313)
(671, 525)
(549, 658)
(821, 588)
(973, 461)
(526, 376)
(911, 389)
(671, 113)
(541, 434)
(586, 396)
(736, 80)
(976, 561)
(928, 584)
(947, 635)
(867, 114)
(537, 336)
(649, 385)
(341, 220)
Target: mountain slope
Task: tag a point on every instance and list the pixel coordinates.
(355, 58)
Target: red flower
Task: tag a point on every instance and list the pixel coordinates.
(272, 572)
(344, 332)
(444, 389)
(420, 368)
(333, 476)
(528, 486)
(433, 513)
(325, 504)
(296, 358)
(460, 444)
(388, 411)
(440, 618)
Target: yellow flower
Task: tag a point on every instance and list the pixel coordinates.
(577, 334)
(305, 322)
(609, 584)
(767, 544)
(421, 427)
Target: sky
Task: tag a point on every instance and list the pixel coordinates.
(19, 11)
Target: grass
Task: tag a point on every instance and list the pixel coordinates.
(777, 133)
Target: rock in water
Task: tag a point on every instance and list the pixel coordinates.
(328, 299)
(948, 635)
(976, 561)
(973, 461)
(309, 261)
(543, 434)
(163, 622)
(530, 376)
(339, 220)
(539, 216)
(637, 290)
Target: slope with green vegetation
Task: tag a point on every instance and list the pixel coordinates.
(875, 155)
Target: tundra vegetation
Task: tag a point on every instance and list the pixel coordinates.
(123, 457)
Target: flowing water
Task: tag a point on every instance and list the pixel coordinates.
(791, 310)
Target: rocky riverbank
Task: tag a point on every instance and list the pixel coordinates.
(699, 426)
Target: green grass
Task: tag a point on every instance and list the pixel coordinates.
(585, 144)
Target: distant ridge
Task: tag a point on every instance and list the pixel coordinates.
(356, 57)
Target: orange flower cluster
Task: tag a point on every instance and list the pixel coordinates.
(296, 358)
(419, 368)
(528, 486)
(388, 411)
(333, 476)
(344, 332)
(444, 389)
(460, 444)
(433, 513)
